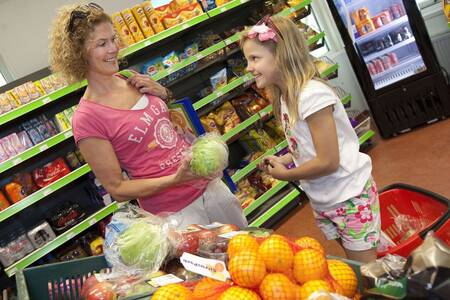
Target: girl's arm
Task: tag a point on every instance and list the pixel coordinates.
(100, 156)
(323, 131)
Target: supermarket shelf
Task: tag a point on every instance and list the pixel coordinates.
(241, 127)
(189, 61)
(382, 29)
(275, 209)
(390, 49)
(35, 150)
(44, 192)
(252, 166)
(293, 9)
(332, 69)
(346, 99)
(316, 38)
(35, 104)
(162, 35)
(264, 197)
(220, 92)
(366, 136)
(226, 7)
(61, 239)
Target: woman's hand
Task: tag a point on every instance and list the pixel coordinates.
(184, 173)
(146, 85)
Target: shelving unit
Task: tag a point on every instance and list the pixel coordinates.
(382, 29)
(390, 49)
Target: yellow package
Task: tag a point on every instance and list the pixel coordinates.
(190, 12)
(209, 124)
(262, 139)
(122, 29)
(62, 122)
(171, 20)
(46, 85)
(221, 2)
(132, 24)
(139, 15)
(152, 17)
(13, 99)
(5, 104)
(21, 94)
(40, 88)
(32, 90)
(162, 11)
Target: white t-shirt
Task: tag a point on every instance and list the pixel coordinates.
(354, 167)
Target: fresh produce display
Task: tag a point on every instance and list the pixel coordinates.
(209, 156)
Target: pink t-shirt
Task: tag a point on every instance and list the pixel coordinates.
(146, 145)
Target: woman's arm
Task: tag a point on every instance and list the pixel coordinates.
(100, 156)
(323, 131)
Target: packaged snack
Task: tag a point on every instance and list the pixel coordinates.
(205, 92)
(171, 19)
(208, 4)
(275, 126)
(32, 90)
(162, 11)
(221, 2)
(237, 66)
(26, 181)
(61, 122)
(241, 104)
(33, 133)
(209, 124)
(57, 81)
(190, 12)
(69, 114)
(4, 203)
(144, 24)
(5, 104)
(41, 235)
(51, 127)
(153, 66)
(133, 25)
(72, 253)
(96, 246)
(3, 155)
(219, 79)
(41, 128)
(262, 138)
(13, 98)
(16, 143)
(80, 156)
(22, 94)
(181, 4)
(170, 59)
(191, 49)
(8, 147)
(122, 29)
(73, 160)
(47, 85)
(152, 16)
(15, 192)
(50, 172)
(226, 117)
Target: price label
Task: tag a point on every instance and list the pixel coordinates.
(17, 161)
(92, 221)
(43, 147)
(68, 134)
(219, 93)
(147, 43)
(46, 100)
(223, 9)
(170, 71)
(244, 1)
(200, 56)
(47, 191)
(291, 10)
(12, 271)
(185, 26)
(70, 236)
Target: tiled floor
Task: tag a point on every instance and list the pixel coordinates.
(420, 158)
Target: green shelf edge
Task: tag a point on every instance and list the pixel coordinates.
(226, 7)
(37, 103)
(264, 197)
(61, 239)
(293, 9)
(315, 38)
(222, 91)
(329, 71)
(251, 166)
(346, 99)
(44, 192)
(162, 35)
(275, 209)
(35, 150)
(369, 134)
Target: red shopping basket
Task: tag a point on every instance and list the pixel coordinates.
(408, 213)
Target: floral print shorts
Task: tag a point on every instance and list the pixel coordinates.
(355, 221)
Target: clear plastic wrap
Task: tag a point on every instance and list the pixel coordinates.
(136, 241)
(209, 156)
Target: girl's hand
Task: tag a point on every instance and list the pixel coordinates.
(146, 85)
(267, 160)
(277, 170)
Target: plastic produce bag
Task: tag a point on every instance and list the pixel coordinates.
(209, 156)
(136, 241)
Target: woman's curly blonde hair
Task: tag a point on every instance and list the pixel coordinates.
(68, 41)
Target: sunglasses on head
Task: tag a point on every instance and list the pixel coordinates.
(81, 13)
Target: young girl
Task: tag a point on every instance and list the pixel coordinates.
(323, 145)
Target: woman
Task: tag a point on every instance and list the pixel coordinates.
(124, 124)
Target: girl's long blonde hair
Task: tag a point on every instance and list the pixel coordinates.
(295, 64)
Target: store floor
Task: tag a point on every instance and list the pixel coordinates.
(420, 158)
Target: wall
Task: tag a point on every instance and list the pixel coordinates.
(24, 27)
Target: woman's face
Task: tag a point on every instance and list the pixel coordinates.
(102, 50)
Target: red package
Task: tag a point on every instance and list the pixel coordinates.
(50, 172)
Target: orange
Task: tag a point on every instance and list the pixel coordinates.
(307, 242)
(313, 286)
(277, 254)
(247, 269)
(241, 242)
(345, 277)
(277, 286)
(172, 292)
(297, 292)
(309, 264)
(209, 289)
(239, 293)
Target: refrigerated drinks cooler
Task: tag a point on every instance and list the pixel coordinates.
(392, 55)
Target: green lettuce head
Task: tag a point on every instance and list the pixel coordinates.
(209, 156)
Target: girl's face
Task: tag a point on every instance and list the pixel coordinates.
(102, 50)
(261, 63)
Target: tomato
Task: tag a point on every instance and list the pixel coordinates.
(102, 291)
(189, 243)
(87, 286)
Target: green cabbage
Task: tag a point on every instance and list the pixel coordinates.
(209, 156)
(142, 245)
